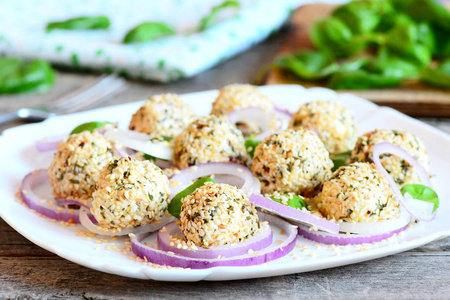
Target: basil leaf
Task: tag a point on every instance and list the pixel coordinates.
(16, 76)
(340, 159)
(390, 65)
(445, 67)
(334, 37)
(148, 31)
(442, 42)
(435, 77)
(250, 145)
(421, 192)
(89, 126)
(81, 23)
(308, 65)
(361, 79)
(176, 204)
(296, 201)
(429, 11)
(208, 21)
(362, 17)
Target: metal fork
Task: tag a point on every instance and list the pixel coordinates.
(83, 97)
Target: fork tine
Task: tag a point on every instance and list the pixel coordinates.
(105, 87)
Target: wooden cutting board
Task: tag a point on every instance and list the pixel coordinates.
(412, 97)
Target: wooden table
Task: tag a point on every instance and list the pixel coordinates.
(30, 272)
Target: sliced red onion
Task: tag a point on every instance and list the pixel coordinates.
(64, 202)
(270, 253)
(343, 239)
(251, 114)
(295, 215)
(284, 111)
(186, 176)
(372, 228)
(90, 224)
(259, 241)
(283, 117)
(420, 211)
(140, 142)
(50, 143)
(45, 207)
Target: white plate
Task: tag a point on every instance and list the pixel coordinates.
(19, 157)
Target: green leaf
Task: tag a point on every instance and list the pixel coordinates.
(335, 38)
(16, 76)
(340, 159)
(429, 11)
(308, 65)
(89, 126)
(296, 201)
(148, 31)
(175, 204)
(390, 65)
(445, 67)
(81, 23)
(435, 77)
(421, 192)
(360, 79)
(362, 17)
(208, 21)
(250, 145)
(442, 42)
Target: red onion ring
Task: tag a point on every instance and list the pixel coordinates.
(64, 202)
(29, 196)
(268, 254)
(388, 148)
(251, 114)
(186, 176)
(293, 214)
(49, 143)
(90, 224)
(140, 142)
(343, 239)
(260, 241)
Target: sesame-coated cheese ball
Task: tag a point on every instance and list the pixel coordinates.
(209, 139)
(399, 169)
(334, 124)
(76, 166)
(162, 115)
(291, 161)
(357, 193)
(130, 193)
(218, 214)
(237, 96)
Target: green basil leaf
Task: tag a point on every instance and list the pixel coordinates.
(148, 31)
(353, 65)
(176, 204)
(422, 192)
(89, 126)
(296, 201)
(21, 77)
(251, 145)
(445, 67)
(208, 21)
(435, 77)
(340, 159)
(362, 17)
(308, 65)
(390, 65)
(81, 23)
(361, 79)
(442, 42)
(429, 11)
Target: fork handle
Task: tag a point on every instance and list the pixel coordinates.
(6, 118)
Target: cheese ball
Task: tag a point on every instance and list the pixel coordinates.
(130, 193)
(76, 166)
(399, 169)
(291, 161)
(357, 193)
(218, 214)
(334, 124)
(209, 139)
(162, 115)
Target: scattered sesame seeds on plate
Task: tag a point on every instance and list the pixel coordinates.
(113, 255)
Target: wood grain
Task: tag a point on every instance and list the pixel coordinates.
(411, 97)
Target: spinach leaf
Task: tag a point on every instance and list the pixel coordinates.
(251, 144)
(308, 65)
(175, 204)
(82, 23)
(442, 42)
(17, 76)
(335, 39)
(340, 159)
(296, 201)
(439, 77)
(208, 21)
(90, 126)
(391, 65)
(421, 192)
(148, 31)
(361, 79)
(429, 11)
